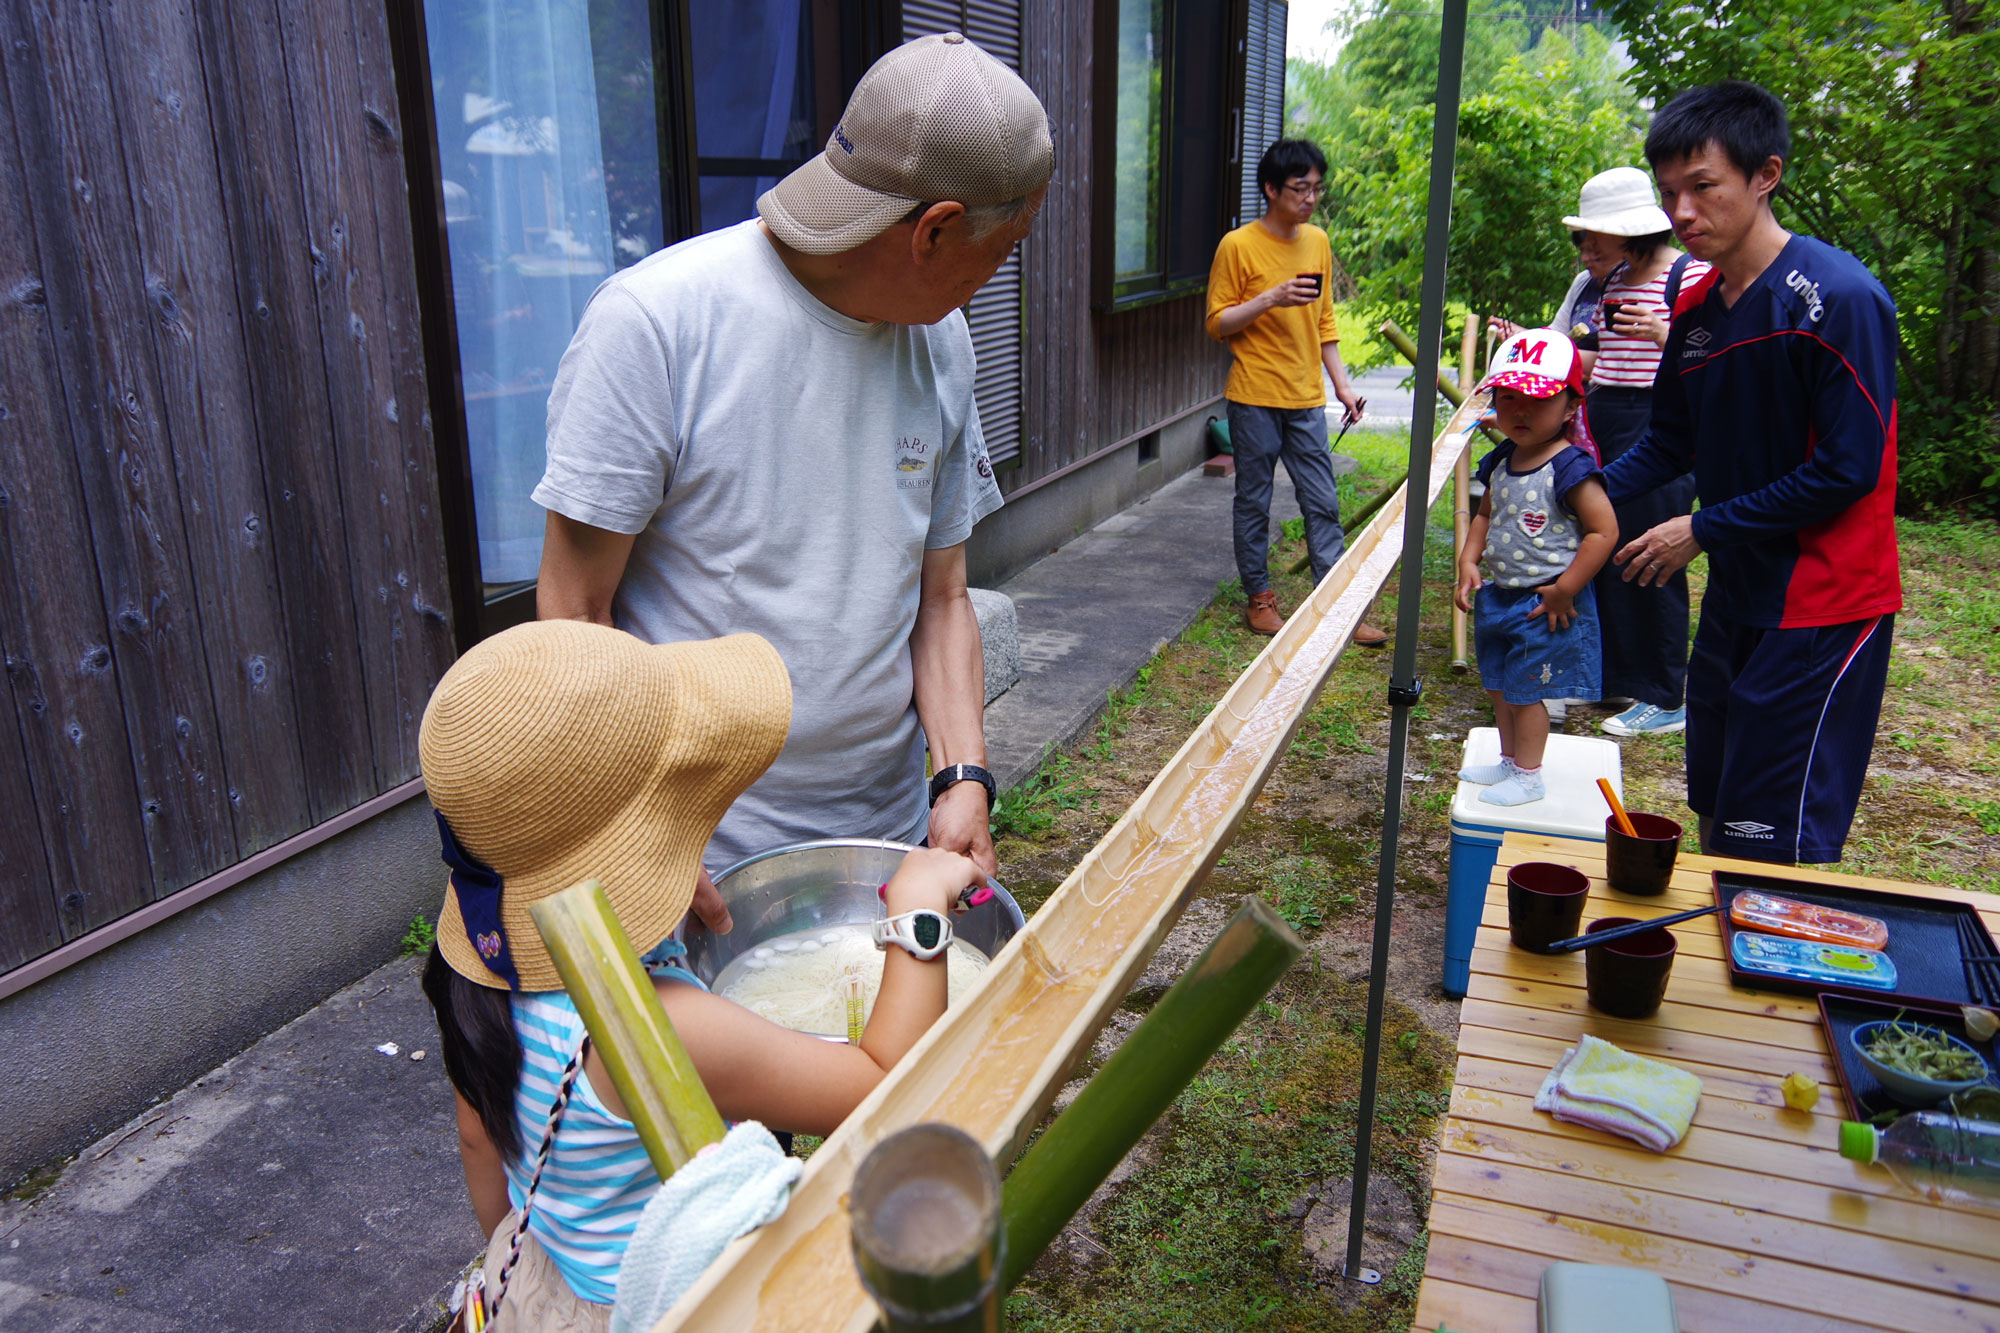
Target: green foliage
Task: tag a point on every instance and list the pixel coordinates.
(1894, 158)
(1535, 123)
(419, 938)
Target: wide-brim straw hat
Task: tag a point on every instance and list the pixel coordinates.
(561, 751)
(1620, 202)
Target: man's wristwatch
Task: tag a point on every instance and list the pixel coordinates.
(924, 934)
(957, 773)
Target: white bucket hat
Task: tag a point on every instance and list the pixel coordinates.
(936, 119)
(1620, 202)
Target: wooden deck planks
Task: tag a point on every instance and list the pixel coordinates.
(1755, 1203)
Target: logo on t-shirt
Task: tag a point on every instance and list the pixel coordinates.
(1532, 521)
(911, 459)
(984, 467)
(1809, 289)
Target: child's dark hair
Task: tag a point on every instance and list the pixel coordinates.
(1288, 158)
(1745, 121)
(482, 1056)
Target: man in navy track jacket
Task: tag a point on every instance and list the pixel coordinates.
(1777, 390)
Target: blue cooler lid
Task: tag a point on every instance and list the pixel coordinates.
(1574, 808)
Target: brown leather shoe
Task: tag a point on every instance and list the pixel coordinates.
(1369, 636)
(1262, 614)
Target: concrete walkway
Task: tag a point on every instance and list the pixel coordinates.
(313, 1181)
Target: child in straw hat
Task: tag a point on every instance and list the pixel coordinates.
(561, 751)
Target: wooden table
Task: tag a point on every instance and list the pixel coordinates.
(1755, 1218)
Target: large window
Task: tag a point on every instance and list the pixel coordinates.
(548, 159)
(572, 138)
(1166, 78)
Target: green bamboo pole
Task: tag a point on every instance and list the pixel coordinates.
(1140, 1081)
(1401, 342)
(925, 1208)
(650, 1068)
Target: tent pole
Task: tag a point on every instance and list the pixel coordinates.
(1404, 687)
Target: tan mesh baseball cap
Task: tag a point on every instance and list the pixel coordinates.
(936, 119)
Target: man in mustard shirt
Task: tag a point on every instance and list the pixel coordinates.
(1270, 298)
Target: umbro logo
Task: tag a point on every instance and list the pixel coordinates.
(1750, 828)
(1699, 338)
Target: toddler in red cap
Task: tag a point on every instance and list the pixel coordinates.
(1544, 527)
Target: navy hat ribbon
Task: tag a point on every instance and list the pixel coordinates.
(478, 887)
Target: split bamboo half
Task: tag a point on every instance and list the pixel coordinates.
(994, 1063)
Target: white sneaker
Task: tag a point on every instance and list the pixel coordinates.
(1559, 709)
(1646, 720)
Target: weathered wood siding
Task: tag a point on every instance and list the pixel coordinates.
(1090, 379)
(222, 576)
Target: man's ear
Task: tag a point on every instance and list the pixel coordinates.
(927, 236)
(1768, 177)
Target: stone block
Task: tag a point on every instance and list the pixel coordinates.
(1000, 636)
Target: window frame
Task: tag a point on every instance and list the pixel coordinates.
(475, 615)
(1110, 294)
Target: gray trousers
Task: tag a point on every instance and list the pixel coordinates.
(1261, 436)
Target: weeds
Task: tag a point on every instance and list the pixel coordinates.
(1030, 809)
(419, 938)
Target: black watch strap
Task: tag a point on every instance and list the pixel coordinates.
(957, 773)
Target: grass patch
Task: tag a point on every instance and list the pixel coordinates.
(419, 938)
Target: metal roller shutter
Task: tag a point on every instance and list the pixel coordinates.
(1263, 96)
(994, 315)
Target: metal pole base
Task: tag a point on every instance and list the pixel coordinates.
(1366, 1276)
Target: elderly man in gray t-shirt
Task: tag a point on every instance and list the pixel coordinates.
(771, 429)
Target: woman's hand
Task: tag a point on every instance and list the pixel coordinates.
(1557, 606)
(1469, 584)
(1636, 321)
(1503, 327)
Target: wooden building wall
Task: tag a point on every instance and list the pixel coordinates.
(1089, 379)
(222, 577)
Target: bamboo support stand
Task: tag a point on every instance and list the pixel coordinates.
(1140, 1081)
(1461, 487)
(601, 971)
(926, 1212)
(992, 1065)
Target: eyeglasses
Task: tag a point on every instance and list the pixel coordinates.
(1304, 189)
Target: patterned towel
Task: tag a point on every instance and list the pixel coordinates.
(730, 1189)
(1598, 1085)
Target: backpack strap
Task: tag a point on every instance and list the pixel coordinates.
(1674, 276)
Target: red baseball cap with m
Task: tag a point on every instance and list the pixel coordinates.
(1539, 362)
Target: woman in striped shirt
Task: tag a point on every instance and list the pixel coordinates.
(1645, 630)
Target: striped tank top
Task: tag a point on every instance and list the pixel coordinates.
(599, 1178)
(1631, 363)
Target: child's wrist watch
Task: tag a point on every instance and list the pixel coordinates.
(924, 934)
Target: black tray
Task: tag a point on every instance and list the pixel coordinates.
(1924, 939)
(1839, 1015)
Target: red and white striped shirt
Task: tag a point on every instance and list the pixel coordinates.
(1631, 363)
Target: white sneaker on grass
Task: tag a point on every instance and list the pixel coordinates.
(1647, 720)
(1559, 709)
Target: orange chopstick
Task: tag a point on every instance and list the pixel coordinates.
(1617, 808)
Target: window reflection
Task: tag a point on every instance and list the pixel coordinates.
(1136, 161)
(549, 153)
(760, 67)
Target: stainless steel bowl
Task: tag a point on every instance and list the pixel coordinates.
(829, 883)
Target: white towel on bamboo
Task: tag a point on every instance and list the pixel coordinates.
(729, 1189)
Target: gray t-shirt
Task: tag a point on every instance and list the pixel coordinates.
(784, 468)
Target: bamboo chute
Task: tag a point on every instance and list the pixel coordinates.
(993, 1065)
